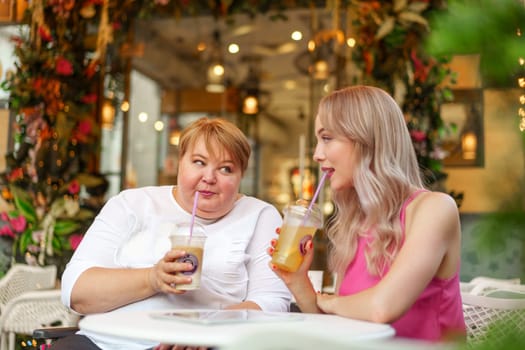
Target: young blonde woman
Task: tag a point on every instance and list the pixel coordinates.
(394, 244)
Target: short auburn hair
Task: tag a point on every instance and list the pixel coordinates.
(217, 132)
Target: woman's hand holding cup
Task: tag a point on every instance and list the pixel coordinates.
(166, 274)
(288, 277)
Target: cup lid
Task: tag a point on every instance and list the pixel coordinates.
(300, 208)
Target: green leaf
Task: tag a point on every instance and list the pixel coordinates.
(57, 244)
(65, 227)
(26, 239)
(23, 203)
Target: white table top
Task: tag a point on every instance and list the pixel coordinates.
(141, 325)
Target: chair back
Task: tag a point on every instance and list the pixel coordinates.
(36, 309)
(495, 314)
(482, 284)
(23, 278)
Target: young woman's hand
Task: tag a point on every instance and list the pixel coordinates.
(326, 302)
(298, 282)
(287, 276)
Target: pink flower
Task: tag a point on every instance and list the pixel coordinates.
(3, 216)
(6, 231)
(74, 187)
(37, 235)
(74, 240)
(84, 127)
(418, 135)
(18, 224)
(33, 248)
(439, 153)
(63, 66)
(82, 131)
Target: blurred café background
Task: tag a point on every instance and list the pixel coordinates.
(140, 71)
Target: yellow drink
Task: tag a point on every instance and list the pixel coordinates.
(290, 249)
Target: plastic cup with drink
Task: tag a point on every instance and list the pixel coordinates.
(193, 245)
(190, 237)
(301, 221)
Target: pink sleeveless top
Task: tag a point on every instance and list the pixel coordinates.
(435, 315)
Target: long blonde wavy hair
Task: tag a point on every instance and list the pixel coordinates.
(385, 174)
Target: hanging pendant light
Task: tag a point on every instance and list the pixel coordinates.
(107, 115)
(215, 70)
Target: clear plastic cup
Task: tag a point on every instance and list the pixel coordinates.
(298, 228)
(194, 248)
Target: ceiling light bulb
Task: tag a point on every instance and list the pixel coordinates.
(143, 117)
(311, 45)
(175, 137)
(321, 70)
(124, 107)
(218, 70)
(233, 48)
(250, 105)
(159, 125)
(296, 35)
(351, 42)
(108, 115)
(469, 144)
(201, 46)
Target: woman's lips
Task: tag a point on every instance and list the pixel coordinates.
(329, 171)
(206, 193)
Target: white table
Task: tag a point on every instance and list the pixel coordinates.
(141, 325)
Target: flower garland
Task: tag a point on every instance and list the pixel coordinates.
(54, 94)
(391, 53)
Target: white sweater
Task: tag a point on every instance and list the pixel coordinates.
(131, 231)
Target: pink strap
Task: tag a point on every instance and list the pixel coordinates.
(407, 202)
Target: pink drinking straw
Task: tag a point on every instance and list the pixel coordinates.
(314, 198)
(193, 211)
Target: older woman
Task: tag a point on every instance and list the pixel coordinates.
(125, 261)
